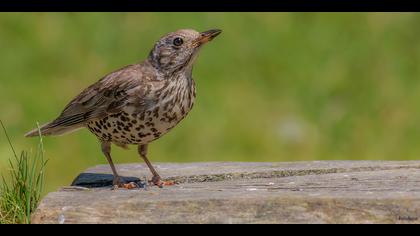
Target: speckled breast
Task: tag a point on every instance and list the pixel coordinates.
(134, 127)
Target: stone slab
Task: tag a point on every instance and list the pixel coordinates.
(229, 192)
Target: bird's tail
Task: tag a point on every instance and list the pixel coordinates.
(52, 129)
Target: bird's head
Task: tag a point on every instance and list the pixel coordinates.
(177, 51)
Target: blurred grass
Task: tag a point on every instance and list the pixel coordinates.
(272, 87)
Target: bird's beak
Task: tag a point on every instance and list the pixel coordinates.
(207, 36)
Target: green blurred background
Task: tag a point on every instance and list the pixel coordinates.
(272, 87)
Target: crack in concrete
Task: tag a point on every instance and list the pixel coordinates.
(280, 174)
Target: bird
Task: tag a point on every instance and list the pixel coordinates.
(138, 103)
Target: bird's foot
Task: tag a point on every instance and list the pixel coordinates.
(130, 185)
(118, 184)
(156, 180)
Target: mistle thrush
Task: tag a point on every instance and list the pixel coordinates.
(138, 103)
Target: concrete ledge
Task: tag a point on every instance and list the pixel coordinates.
(298, 192)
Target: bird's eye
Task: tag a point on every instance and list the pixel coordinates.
(178, 42)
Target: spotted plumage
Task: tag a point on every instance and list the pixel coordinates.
(138, 103)
(141, 126)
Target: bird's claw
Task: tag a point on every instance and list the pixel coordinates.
(156, 180)
(118, 184)
(130, 185)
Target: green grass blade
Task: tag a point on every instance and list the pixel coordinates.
(21, 193)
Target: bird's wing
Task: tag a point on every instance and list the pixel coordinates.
(107, 96)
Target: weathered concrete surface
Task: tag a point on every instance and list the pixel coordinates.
(298, 192)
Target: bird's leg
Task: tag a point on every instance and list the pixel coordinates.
(106, 149)
(156, 180)
(143, 153)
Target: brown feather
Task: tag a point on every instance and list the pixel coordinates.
(105, 97)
